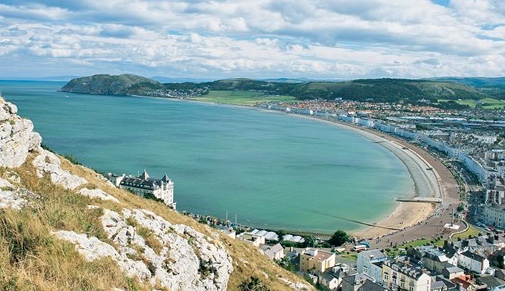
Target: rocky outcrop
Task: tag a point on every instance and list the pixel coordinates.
(153, 250)
(17, 138)
(48, 163)
(97, 193)
(9, 196)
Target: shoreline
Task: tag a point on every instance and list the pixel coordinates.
(405, 214)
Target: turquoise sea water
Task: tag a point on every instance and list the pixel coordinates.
(271, 169)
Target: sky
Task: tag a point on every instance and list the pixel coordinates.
(261, 39)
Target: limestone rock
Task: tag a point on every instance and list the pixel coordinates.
(295, 286)
(90, 247)
(17, 138)
(97, 193)
(186, 260)
(14, 197)
(48, 162)
(9, 197)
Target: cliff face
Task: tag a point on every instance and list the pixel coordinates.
(117, 240)
(106, 84)
(16, 137)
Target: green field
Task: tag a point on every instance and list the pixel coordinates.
(243, 98)
(470, 232)
(486, 103)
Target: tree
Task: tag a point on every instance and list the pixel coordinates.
(252, 284)
(339, 238)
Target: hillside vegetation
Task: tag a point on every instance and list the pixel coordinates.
(374, 90)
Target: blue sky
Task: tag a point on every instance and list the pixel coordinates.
(318, 39)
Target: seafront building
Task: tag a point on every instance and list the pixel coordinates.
(404, 276)
(316, 260)
(370, 263)
(145, 186)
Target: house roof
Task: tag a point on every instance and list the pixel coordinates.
(143, 181)
(437, 285)
(137, 182)
(465, 280)
(449, 250)
(406, 269)
(454, 269)
(374, 255)
(371, 286)
(438, 282)
(329, 276)
(271, 236)
(474, 256)
(318, 254)
(490, 281)
(144, 175)
(435, 255)
(277, 248)
(357, 279)
(165, 178)
(502, 271)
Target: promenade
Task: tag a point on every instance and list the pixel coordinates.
(412, 220)
(415, 219)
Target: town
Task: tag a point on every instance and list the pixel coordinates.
(469, 143)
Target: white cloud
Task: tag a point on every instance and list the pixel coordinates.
(337, 38)
(479, 12)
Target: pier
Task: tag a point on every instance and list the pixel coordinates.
(420, 199)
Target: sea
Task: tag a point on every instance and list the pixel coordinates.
(266, 169)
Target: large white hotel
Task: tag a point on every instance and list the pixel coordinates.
(145, 186)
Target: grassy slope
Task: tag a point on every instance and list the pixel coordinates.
(243, 98)
(32, 259)
(487, 103)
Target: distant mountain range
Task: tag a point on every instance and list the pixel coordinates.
(376, 90)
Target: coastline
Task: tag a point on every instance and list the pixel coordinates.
(405, 214)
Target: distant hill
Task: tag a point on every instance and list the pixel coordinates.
(374, 90)
(495, 87)
(478, 82)
(109, 84)
(386, 90)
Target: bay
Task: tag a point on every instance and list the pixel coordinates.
(272, 170)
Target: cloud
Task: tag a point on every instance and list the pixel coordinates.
(325, 38)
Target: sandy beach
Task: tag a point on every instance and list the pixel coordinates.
(412, 220)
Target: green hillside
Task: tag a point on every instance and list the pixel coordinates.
(373, 90)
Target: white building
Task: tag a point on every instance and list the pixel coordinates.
(473, 262)
(252, 238)
(145, 186)
(275, 252)
(368, 263)
(399, 276)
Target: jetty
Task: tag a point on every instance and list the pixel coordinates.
(420, 199)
